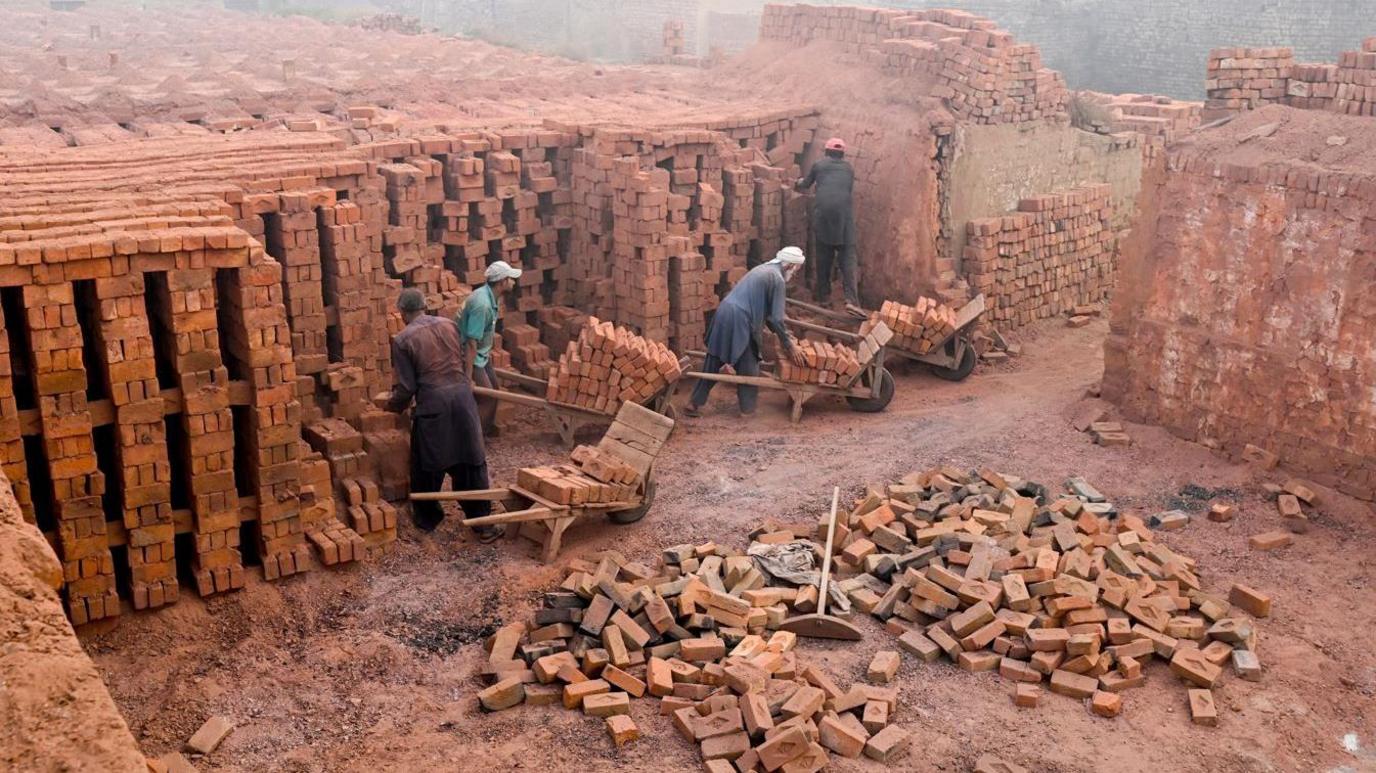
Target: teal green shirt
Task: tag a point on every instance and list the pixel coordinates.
(478, 322)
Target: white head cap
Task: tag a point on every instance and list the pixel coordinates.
(790, 256)
(502, 270)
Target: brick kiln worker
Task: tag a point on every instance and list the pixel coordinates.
(478, 324)
(733, 342)
(833, 222)
(446, 439)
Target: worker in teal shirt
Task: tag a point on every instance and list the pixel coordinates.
(477, 324)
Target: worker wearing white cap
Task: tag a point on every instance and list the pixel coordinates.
(478, 323)
(733, 342)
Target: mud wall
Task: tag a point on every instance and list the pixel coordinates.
(54, 708)
(1243, 313)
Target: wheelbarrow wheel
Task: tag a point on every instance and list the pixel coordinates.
(624, 517)
(875, 404)
(962, 370)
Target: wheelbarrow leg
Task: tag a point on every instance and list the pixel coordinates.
(799, 398)
(555, 539)
(563, 425)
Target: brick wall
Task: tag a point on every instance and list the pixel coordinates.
(1057, 251)
(194, 328)
(1247, 78)
(1242, 314)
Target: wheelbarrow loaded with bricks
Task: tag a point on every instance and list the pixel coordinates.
(615, 477)
(858, 374)
(928, 332)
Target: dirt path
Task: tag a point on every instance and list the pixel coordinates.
(370, 668)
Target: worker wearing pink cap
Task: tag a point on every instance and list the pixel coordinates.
(833, 222)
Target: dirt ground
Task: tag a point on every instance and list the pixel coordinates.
(371, 667)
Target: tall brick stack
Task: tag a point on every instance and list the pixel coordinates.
(1246, 78)
(1057, 251)
(977, 69)
(1315, 413)
(609, 365)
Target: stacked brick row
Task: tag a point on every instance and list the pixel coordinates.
(918, 328)
(1247, 78)
(609, 365)
(278, 258)
(981, 73)
(1315, 412)
(1056, 252)
(823, 363)
(1160, 119)
(59, 380)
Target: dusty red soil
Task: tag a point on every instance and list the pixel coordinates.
(371, 667)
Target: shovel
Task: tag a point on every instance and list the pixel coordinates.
(821, 625)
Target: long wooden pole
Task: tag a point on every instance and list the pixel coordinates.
(826, 556)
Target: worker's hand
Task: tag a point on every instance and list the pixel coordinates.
(381, 399)
(729, 370)
(796, 355)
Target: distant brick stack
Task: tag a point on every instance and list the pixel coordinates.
(609, 365)
(1246, 78)
(980, 72)
(1056, 252)
(1160, 119)
(675, 44)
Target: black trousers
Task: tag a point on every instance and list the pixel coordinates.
(746, 395)
(462, 477)
(828, 257)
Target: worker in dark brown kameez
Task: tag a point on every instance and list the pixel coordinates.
(446, 437)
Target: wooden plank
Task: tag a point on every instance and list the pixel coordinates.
(520, 516)
(759, 381)
(635, 439)
(476, 495)
(970, 312)
(636, 458)
(638, 416)
(521, 379)
(511, 397)
(827, 331)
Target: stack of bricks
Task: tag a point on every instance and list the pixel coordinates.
(977, 69)
(918, 328)
(568, 485)
(1160, 120)
(699, 632)
(1000, 574)
(609, 365)
(1058, 251)
(824, 363)
(640, 251)
(270, 301)
(529, 356)
(1315, 415)
(1246, 78)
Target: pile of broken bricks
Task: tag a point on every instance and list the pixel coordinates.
(1092, 416)
(997, 573)
(1295, 500)
(698, 632)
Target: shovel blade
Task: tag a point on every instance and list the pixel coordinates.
(821, 627)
